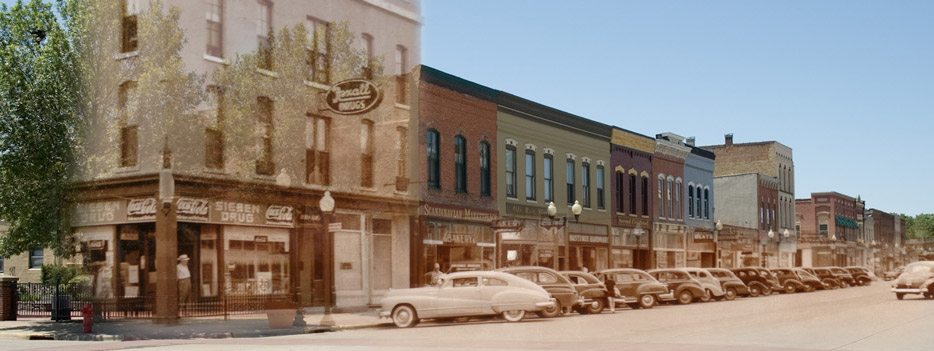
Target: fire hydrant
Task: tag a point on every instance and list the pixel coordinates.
(87, 312)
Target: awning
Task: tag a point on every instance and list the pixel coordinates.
(846, 222)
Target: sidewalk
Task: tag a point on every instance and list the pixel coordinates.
(239, 326)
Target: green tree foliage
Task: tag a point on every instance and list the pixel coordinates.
(920, 226)
(38, 127)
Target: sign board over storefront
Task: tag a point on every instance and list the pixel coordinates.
(459, 213)
(593, 239)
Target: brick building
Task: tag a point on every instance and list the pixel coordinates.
(669, 232)
(457, 173)
(631, 157)
(830, 230)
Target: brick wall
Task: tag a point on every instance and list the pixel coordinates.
(453, 113)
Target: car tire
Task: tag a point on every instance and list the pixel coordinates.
(790, 288)
(754, 290)
(809, 288)
(595, 307)
(866, 282)
(707, 297)
(513, 316)
(552, 312)
(899, 296)
(685, 297)
(404, 316)
(729, 294)
(647, 301)
(766, 291)
(830, 283)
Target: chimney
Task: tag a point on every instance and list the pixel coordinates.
(690, 141)
(729, 139)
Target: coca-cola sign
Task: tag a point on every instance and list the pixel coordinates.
(276, 214)
(353, 96)
(193, 209)
(141, 209)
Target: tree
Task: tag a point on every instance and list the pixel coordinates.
(38, 127)
(920, 226)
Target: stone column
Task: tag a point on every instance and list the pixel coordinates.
(8, 298)
(166, 299)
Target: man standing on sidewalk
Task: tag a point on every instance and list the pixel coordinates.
(184, 282)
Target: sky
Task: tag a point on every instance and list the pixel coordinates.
(848, 85)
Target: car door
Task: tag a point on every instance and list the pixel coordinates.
(710, 282)
(460, 296)
(626, 284)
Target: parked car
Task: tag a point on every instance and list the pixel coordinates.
(466, 294)
(555, 283)
(712, 287)
(893, 273)
(794, 280)
(862, 275)
(918, 278)
(827, 277)
(843, 275)
(637, 287)
(682, 287)
(732, 285)
(759, 280)
(590, 289)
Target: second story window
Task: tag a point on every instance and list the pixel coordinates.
(690, 200)
(569, 170)
(632, 194)
(265, 164)
(600, 196)
(645, 196)
(129, 141)
(214, 137)
(585, 184)
(511, 172)
(460, 164)
(549, 177)
(706, 203)
(264, 33)
(529, 175)
(319, 60)
(485, 168)
(661, 200)
(317, 150)
(401, 82)
(618, 194)
(366, 153)
(367, 47)
(215, 29)
(434, 167)
(668, 198)
(128, 31)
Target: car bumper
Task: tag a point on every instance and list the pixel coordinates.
(667, 296)
(907, 290)
(545, 304)
(384, 314)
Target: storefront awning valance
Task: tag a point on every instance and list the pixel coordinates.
(846, 222)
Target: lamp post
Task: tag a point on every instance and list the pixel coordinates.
(717, 226)
(638, 233)
(552, 211)
(326, 205)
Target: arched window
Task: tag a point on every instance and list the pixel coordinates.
(434, 167)
(707, 203)
(460, 164)
(484, 168)
(690, 200)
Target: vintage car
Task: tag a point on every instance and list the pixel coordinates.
(732, 286)
(862, 275)
(843, 275)
(893, 273)
(759, 280)
(466, 294)
(637, 288)
(682, 287)
(590, 289)
(556, 284)
(712, 287)
(917, 278)
(795, 280)
(827, 277)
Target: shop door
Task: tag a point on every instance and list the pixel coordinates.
(381, 263)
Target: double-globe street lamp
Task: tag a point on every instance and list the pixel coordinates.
(560, 222)
(785, 234)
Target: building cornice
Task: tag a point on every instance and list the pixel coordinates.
(672, 149)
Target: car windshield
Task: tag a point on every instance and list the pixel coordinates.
(838, 270)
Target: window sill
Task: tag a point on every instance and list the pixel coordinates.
(512, 198)
(125, 55)
(216, 59)
(218, 171)
(127, 169)
(268, 178)
(402, 106)
(367, 189)
(317, 85)
(267, 73)
(531, 201)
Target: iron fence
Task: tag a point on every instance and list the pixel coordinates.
(63, 301)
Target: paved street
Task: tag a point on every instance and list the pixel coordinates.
(862, 318)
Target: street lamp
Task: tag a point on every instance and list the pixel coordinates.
(576, 210)
(638, 233)
(552, 211)
(717, 226)
(326, 205)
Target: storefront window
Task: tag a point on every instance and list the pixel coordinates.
(257, 260)
(459, 246)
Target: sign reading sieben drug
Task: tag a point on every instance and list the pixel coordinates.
(353, 96)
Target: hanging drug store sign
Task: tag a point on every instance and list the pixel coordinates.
(353, 96)
(233, 212)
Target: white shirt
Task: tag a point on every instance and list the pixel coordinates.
(183, 272)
